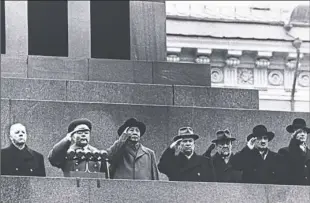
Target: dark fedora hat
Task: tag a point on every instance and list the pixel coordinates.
(132, 122)
(77, 122)
(298, 123)
(223, 135)
(185, 132)
(259, 131)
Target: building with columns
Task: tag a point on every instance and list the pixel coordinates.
(246, 45)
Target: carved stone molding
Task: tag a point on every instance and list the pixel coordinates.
(245, 76)
(173, 58)
(291, 64)
(265, 54)
(202, 60)
(262, 63)
(232, 62)
(234, 52)
(275, 78)
(174, 50)
(217, 75)
(304, 79)
(201, 51)
(293, 55)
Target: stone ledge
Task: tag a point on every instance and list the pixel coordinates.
(47, 122)
(233, 30)
(37, 190)
(128, 93)
(109, 70)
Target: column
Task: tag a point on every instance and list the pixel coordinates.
(173, 54)
(79, 29)
(148, 30)
(16, 27)
(260, 71)
(2, 28)
(230, 71)
(289, 70)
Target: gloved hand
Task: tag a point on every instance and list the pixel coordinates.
(209, 150)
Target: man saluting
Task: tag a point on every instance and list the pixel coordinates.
(257, 162)
(180, 162)
(222, 158)
(74, 153)
(297, 155)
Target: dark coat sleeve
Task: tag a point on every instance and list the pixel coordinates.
(241, 159)
(167, 162)
(42, 166)
(285, 165)
(57, 155)
(155, 175)
(209, 151)
(4, 163)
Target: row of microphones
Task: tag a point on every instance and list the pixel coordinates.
(87, 155)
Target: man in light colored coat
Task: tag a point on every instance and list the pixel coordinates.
(128, 157)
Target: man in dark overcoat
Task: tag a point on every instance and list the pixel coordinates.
(256, 161)
(221, 159)
(179, 162)
(74, 153)
(297, 154)
(18, 159)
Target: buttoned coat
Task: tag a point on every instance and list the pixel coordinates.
(297, 164)
(257, 170)
(58, 158)
(129, 164)
(25, 162)
(224, 172)
(180, 168)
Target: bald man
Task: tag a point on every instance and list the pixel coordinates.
(18, 159)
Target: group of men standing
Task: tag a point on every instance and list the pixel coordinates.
(127, 158)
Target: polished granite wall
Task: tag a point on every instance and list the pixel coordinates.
(38, 190)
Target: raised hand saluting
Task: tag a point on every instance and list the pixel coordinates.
(251, 142)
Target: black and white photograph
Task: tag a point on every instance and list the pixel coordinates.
(155, 101)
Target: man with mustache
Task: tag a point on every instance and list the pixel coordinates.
(128, 157)
(256, 161)
(221, 159)
(18, 159)
(74, 153)
(297, 154)
(179, 162)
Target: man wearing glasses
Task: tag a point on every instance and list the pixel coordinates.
(74, 153)
(221, 159)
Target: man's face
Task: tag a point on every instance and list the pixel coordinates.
(301, 135)
(224, 147)
(187, 145)
(262, 142)
(134, 134)
(81, 135)
(18, 134)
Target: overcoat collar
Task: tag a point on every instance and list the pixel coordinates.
(191, 163)
(27, 153)
(136, 154)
